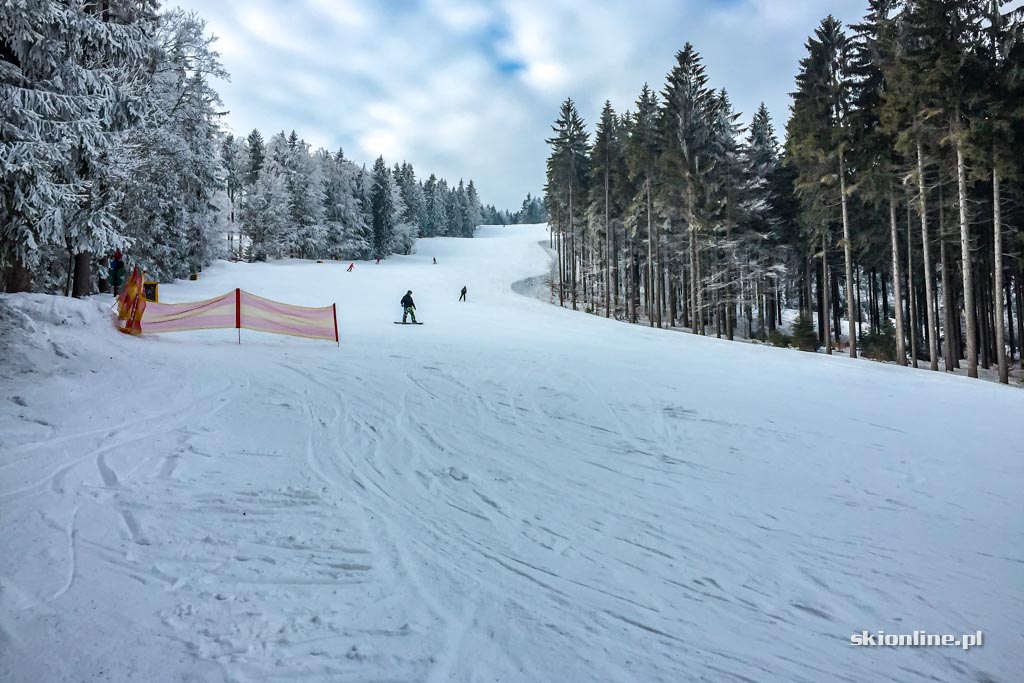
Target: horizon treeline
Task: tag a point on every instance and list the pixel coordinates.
(111, 137)
(894, 195)
(285, 200)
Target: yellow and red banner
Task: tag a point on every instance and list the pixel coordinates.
(236, 309)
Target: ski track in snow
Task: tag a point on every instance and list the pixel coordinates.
(511, 491)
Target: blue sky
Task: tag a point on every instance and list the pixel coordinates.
(468, 89)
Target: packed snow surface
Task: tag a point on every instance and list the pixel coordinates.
(511, 491)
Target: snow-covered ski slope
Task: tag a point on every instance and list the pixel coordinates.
(509, 492)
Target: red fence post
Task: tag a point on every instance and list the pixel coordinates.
(335, 307)
(238, 312)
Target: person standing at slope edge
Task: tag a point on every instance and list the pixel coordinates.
(408, 307)
(463, 296)
(117, 271)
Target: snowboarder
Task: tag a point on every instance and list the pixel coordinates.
(350, 267)
(408, 307)
(463, 297)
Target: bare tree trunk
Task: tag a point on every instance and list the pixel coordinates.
(885, 297)
(652, 295)
(808, 271)
(933, 347)
(672, 296)
(615, 269)
(825, 294)
(700, 290)
(561, 278)
(762, 304)
(819, 290)
(912, 308)
(872, 301)
(947, 309)
(607, 248)
(981, 315)
(1011, 341)
(17, 278)
(965, 249)
(837, 318)
(83, 276)
(848, 256)
(634, 277)
(572, 245)
(860, 315)
(1019, 279)
(695, 313)
(627, 272)
(684, 296)
(997, 240)
(70, 275)
(661, 288)
(948, 317)
(572, 262)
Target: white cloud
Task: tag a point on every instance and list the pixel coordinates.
(468, 88)
(461, 15)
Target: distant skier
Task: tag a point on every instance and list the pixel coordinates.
(463, 297)
(435, 260)
(378, 260)
(408, 307)
(350, 267)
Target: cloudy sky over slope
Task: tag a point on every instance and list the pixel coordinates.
(469, 89)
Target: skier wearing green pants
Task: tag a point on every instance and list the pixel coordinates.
(408, 307)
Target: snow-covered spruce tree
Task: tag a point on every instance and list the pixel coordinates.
(453, 210)
(415, 212)
(729, 275)
(404, 233)
(811, 145)
(607, 172)
(874, 152)
(532, 211)
(474, 212)
(266, 213)
(257, 152)
(691, 106)
(429, 206)
(348, 231)
(761, 158)
(382, 201)
(568, 169)
(462, 228)
(234, 159)
(168, 209)
(437, 207)
(306, 197)
(72, 76)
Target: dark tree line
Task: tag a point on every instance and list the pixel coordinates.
(890, 214)
(532, 211)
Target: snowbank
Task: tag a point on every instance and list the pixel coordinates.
(510, 491)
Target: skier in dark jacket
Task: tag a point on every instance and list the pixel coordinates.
(117, 271)
(408, 307)
(463, 297)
